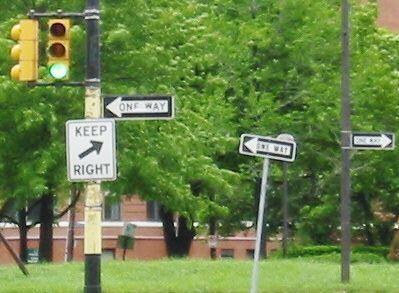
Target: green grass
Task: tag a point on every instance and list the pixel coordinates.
(191, 276)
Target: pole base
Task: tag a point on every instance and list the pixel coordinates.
(92, 273)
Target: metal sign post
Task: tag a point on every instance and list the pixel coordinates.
(259, 226)
(282, 148)
(93, 194)
(345, 146)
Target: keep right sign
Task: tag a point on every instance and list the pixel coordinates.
(91, 149)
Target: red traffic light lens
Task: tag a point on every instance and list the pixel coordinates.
(57, 50)
(57, 29)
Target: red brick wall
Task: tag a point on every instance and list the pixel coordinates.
(145, 248)
(388, 14)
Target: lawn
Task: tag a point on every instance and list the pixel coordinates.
(276, 276)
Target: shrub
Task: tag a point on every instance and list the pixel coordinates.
(378, 250)
(303, 251)
(367, 254)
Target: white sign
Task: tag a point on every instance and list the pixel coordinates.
(139, 107)
(91, 151)
(267, 147)
(375, 141)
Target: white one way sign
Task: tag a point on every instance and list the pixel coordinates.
(268, 147)
(139, 107)
(91, 150)
(373, 141)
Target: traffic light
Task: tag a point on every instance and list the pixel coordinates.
(58, 48)
(27, 50)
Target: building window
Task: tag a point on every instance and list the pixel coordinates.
(153, 211)
(250, 253)
(112, 209)
(227, 253)
(108, 254)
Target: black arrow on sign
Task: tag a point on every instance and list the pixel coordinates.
(96, 146)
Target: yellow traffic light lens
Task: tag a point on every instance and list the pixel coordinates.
(58, 71)
(15, 72)
(16, 32)
(16, 52)
(57, 50)
(58, 29)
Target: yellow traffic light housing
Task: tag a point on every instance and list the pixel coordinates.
(27, 50)
(58, 48)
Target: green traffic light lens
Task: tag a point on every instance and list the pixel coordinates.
(58, 71)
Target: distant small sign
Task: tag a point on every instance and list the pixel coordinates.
(33, 255)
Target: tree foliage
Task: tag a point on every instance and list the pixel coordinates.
(264, 67)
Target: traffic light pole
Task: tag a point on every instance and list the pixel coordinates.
(93, 110)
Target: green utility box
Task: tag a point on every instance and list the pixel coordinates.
(125, 242)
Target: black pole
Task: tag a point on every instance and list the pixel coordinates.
(93, 82)
(92, 273)
(345, 145)
(93, 70)
(285, 209)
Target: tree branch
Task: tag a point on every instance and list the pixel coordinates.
(72, 204)
(9, 219)
(3, 210)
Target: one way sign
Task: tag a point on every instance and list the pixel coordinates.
(139, 107)
(91, 149)
(267, 147)
(373, 141)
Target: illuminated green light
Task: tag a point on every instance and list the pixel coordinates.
(58, 71)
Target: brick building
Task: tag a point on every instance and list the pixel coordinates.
(149, 242)
(388, 14)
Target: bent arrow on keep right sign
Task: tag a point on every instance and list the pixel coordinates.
(372, 141)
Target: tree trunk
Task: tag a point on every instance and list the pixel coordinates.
(212, 231)
(46, 228)
(368, 217)
(71, 225)
(394, 250)
(71, 235)
(23, 235)
(177, 242)
(384, 233)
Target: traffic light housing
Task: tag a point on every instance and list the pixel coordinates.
(26, 52)
(58, 48)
